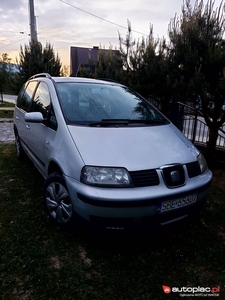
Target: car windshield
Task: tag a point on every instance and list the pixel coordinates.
(95, 104)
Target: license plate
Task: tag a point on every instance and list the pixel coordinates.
(176, 204)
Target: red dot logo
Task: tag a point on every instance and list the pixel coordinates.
(166, 289)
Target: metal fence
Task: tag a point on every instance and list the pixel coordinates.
(194, 127)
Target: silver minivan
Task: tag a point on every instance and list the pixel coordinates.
(107, 155)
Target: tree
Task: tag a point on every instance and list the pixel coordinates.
(5, 72)
(35, 58)
(108, 66)
(65, 71)
(146, 67)
(140, 64)
(197, 55)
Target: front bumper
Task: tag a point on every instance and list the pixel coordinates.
(120, 208)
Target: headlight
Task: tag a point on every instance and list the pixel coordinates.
(202, 163)
(105, 176)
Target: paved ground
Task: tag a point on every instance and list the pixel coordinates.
(6, 125)
(6, 131)
(9, 98)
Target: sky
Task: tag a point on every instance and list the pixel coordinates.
(86, 23)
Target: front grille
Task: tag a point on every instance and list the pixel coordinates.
(144, 178)
(173, 176)
(193, 169)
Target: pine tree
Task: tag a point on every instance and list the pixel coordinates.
(5, 74)
(197, 57)
(35, 58)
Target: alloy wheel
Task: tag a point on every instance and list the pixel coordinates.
(58, 203)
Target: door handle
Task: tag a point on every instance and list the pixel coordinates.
(17, 118)
(28, 127)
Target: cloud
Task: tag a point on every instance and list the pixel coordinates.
(11, 5)
(67, 24)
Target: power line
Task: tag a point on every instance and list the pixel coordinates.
(15, 33)
(13, 43)
(10, 31)
(93, 15)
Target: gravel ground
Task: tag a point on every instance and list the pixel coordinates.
(6, 131)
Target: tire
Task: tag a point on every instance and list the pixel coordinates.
(19, 149)
(57, 201)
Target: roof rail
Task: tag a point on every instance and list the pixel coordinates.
(41, 75)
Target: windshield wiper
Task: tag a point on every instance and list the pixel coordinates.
(114, 122)
(152, 122)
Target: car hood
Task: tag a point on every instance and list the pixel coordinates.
(135, 148)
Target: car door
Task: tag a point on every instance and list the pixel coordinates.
(37, 132)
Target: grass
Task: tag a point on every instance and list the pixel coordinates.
(6, 104)
(40, 261)
(6, 113)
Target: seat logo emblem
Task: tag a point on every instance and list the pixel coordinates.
(175, 176)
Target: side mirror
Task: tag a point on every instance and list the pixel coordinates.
(34, 117)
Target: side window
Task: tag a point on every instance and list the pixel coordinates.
(52, 120)
(25, 96)
(41, 102)
(20, 96)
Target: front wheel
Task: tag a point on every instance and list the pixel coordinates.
(19, 150)
(57, 201)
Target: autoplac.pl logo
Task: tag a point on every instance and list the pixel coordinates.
(166, 289)
(192, 291)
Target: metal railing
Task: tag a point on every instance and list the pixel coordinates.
(195, 128)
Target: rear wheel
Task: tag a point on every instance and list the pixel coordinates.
(57, 201)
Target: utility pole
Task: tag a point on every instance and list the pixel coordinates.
(33, 27)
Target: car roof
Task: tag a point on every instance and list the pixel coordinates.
(74, 79)
(83, 80)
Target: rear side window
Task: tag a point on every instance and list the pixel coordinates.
(42, 101)
(25, 95)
